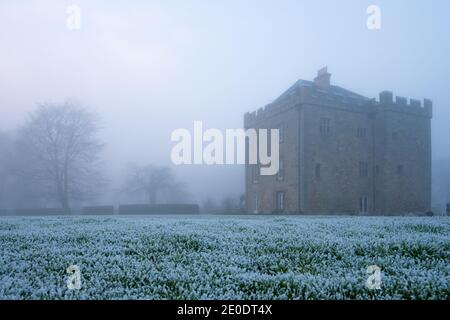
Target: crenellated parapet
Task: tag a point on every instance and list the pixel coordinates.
(314, 95)
(400, 104)
(271, 109)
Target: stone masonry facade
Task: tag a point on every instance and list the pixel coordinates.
(343, 153)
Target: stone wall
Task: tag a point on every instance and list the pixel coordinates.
(339, 154)
(395, 147)
(404, 155)
(267, 186)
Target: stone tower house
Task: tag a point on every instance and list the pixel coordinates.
(341, 152)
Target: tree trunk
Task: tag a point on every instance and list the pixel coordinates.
(61, 197)
(66, 206)
(63, 190)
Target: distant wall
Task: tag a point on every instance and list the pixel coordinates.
(132, 209)
(98, 210)
(108, 210)
(40, 212)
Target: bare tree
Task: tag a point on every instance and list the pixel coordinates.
(154, 182)
(61, 149)
(230, 204)
(209, 206)
(13, 191)
(5, 167)
(243, 203)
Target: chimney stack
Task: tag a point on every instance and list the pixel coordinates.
(386, 97)
(323, 78)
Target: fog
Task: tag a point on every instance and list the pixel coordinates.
(150, 67)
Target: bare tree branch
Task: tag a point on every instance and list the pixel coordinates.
(153, 182)
(62, 152)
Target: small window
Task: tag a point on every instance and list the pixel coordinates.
(363, 169)
(361, 132)
(280, 203)
(280, 175)
(363, 204)
(400, 170)
(255, 173)
(377, 170)
(317, 171)
(256, 203)
(281, 132)
(324, 127)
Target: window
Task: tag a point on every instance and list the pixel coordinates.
(400, 170)
(361, 132)
(317, 171)
(324, 127)
(280, 201)
(282, 132)
(280, 175)
(255, 173)
(363, 169)
(377, 170)
(256, 200)
(363, 204)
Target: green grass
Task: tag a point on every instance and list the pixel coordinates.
(224, 257)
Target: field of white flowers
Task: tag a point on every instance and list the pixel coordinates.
(224, 257)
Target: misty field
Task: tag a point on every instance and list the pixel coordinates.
(224, 257)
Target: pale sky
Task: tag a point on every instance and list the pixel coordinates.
(149, 67)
